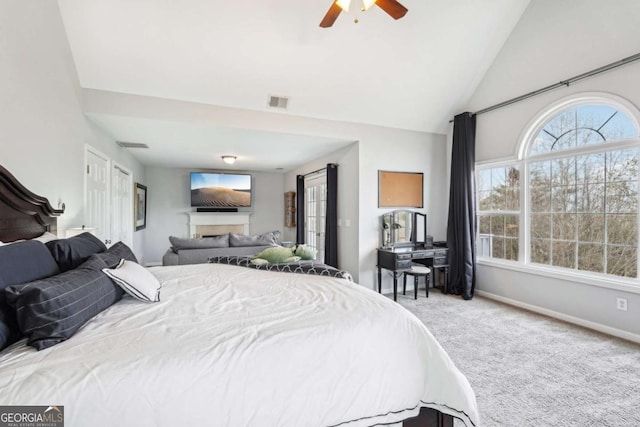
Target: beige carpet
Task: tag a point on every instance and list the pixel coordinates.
(531, 370)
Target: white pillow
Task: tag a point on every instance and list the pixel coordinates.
(135, 280)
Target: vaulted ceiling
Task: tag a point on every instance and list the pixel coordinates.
(414, 73)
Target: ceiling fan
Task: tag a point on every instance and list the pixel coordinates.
(392, 7)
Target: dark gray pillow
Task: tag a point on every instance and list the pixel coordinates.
(20, 262)
(115, 253)
(267, 239)
(24, 262)
(178, 243)
(70, 253)
(51, 310)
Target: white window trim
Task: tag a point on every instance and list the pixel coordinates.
(522, 160)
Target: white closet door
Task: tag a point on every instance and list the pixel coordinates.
(121, 205)
(97, 194)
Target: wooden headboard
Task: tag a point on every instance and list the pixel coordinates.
(23, 215)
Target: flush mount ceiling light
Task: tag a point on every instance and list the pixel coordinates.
(392, 7)
(229, 159)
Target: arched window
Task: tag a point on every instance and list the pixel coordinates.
(571, 199)
(582, 190)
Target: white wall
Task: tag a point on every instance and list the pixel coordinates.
(348, 209)
(556, 40)
(168, 199)
(43, 128)
(378, 148)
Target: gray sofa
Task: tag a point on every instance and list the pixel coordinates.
(198, 251)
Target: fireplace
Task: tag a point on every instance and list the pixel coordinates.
(216, 223)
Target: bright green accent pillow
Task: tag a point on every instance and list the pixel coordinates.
(259, 261)
(274, 255)
(305, 252)
(293, 259)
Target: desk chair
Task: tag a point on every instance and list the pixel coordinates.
(416, 272)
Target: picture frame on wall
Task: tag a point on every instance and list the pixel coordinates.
(140, 206)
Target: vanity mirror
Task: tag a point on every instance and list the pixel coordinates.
(397, 228)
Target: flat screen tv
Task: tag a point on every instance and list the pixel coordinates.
(220, 190)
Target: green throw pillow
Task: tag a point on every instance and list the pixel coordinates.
(274, 255)
(305, 252)
(261, 261)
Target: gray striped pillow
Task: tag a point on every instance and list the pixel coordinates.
(51, 310)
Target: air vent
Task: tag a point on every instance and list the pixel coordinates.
(131, 144)
(279, 102)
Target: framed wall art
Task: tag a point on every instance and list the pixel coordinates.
(140, 206)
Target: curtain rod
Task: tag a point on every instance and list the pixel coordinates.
(315, 171)
(561, 83)
(324, 169)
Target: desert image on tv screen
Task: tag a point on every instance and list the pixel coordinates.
(220, 190)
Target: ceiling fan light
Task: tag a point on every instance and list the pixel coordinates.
(366, 4)
(229, 159)
(344, 4)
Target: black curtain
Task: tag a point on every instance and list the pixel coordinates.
(331, 230)
(300, 209)
(461, 227)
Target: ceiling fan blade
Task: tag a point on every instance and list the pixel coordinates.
(393, 8)
(331, 16)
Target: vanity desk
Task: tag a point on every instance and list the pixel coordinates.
(399, 260)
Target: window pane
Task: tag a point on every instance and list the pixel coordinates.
(484, 244)
(619, 127)
(591, 257)
(591, 228)
(484, 179)
(540, 199)
(587, 137)
(540, 251)
(539, 174)
(622, 261)
(564, 226)
(590, 197)
(543, 143)
(563, 171)
(511, 249)
(484, 200)
(622, 229)
(564, 254)
(511, 226)
(540, 226)
(513, 199)
(497, 225)
(622, 165)
(498, 247)
(484, 224)
(622, 197)
(560, 125)
(563, 199)
(590, 168)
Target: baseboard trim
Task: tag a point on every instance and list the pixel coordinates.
(565, 317)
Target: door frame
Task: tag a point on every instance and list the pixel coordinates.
(129, 202)
(90, 149)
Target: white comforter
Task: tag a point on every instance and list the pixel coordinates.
(231, 346)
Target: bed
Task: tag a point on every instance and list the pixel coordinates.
(232, 346)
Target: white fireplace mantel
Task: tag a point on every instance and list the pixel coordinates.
(219, 219)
